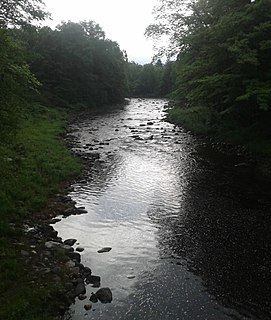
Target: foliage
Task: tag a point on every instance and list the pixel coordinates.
(223, 51)
(150, 80)
(77, 65)
(21, 12)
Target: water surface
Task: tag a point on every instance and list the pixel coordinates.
(188, 226)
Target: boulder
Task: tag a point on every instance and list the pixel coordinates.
(104, 295)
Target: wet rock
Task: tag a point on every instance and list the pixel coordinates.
(80, 289)
(67, 248)
(95, 280)
(87, 271)
(93, 298)
(82, 297)
(70, 242)
(104, 295)
(105, 249)
(68, 212)
(55, 220)
(88, 306)
(80, 211)
(74, 256)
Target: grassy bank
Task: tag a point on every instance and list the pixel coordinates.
(230, 128)
(33, 166)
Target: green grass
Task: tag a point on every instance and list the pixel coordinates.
(33, 166)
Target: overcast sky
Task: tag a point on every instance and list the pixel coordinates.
(123, 21)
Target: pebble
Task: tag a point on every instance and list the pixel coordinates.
(88, 306)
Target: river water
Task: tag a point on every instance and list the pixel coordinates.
(189, 226)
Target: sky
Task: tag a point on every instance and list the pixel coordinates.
(123, 21)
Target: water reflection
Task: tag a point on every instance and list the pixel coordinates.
(186, 244)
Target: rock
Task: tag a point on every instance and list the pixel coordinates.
(88, 306)
(149, 123)
(87, 270)
(131, 276)
(67, 248)
(93, 298)
(80, 211)
(80, 289)
(105, 249)
(70, 242)
(70, 264)
(74, 256)
(104, 295)
(82, 297)
(55, 220)
(93, 280)
(80, 249)
(52, 244)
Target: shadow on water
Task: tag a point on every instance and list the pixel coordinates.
(224, 234)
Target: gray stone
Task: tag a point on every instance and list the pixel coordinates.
(80, 289)
(104, 295)
(93, 298)
(74, 256)
(67, 248)
(105, 249)
(70, 242)
(93, 279)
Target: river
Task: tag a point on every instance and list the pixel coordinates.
(188, 224)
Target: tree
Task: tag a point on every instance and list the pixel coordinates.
(77, 64)
(223, 49)
(21, 12)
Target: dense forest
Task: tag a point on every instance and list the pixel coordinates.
(217, 76)
(223, 82)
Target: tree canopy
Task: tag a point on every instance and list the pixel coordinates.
(222, 50)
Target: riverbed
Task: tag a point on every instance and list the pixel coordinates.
(187, 221)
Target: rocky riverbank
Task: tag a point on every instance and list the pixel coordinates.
(54, 264)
